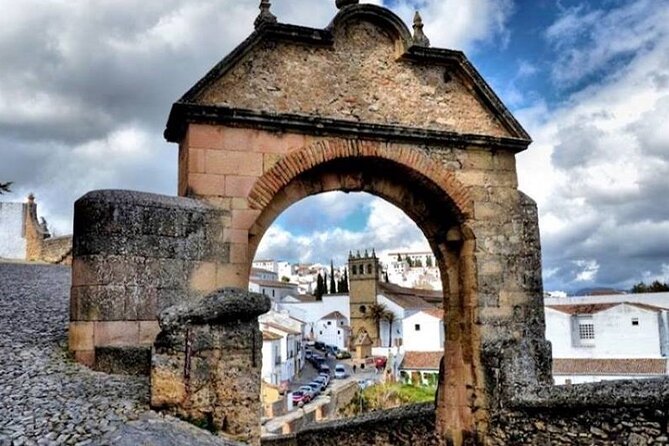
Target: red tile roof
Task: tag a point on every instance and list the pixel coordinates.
(269, 336)
(634, 366)
(421, 360)
(436, 312)
(408, 298)
(334, 315)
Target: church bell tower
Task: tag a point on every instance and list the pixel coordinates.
(364, 274)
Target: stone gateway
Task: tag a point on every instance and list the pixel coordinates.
(362, 105)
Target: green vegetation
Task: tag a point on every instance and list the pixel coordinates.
(655, 287)
(387, 396)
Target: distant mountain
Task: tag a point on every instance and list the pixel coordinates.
(599, 291)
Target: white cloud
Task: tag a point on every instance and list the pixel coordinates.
(387, 228)
(600, 160)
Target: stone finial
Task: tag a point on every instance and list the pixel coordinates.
(265, 15)
(419, 37)
(341, 3)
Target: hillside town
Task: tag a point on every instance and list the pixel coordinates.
(594, 338)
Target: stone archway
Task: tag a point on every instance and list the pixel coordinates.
(361, 105)
(440, 206)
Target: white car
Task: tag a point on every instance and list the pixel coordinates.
(340, 372)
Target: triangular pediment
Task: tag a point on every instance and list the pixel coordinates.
(364, 69)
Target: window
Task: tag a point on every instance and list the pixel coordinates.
(329, 322)
(272, 293)
(417, 327)
(635, 321)
(341, 322)
(354, 270)
(338, 332)
(321, 333)
(586, 331)
(363, 309)
(369, 269)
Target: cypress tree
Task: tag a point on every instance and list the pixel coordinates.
(333, 288)
(325, 282)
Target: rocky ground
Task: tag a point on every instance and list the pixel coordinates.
(46, 398)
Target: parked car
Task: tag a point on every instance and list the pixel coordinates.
(316, 386)
(331, 349)
(380, 362)
(309, 391)
(326, 377)
(300, 398)
(322, 380)
(308, 354)
(319, 345)
(342, 354)
(324, 368)
(340, 371)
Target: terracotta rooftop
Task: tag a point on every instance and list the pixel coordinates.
(436, 312)
(636, 366)
(421, 360)
(269, 336)
(334, 315)
(596, 308)
(408, 298)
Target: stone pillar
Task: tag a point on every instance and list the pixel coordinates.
(206, 363)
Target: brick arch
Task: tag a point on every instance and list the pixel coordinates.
(437, 203)
(300, 161)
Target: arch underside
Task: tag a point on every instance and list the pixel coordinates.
(444, 225)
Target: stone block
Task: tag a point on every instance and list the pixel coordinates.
(203, 277)
(116, 334)
(85, 357)
(244, 219)
(81, 336)
(239, 186)
(196, 161)
(206, 184)
(234, 163)
(233, 275)
(148, 331)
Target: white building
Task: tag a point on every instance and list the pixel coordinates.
(333, 329)
(12, 234)
(593, 339)
(271, 358)
(424, 330)
(275, 290)
(263, 274)
(291, 353)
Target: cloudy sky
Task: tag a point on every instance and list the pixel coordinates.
(86, 86)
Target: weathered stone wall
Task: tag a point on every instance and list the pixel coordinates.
(409, 425)
(206, 363)
(57, 250)
(136, 254)
(359, 79)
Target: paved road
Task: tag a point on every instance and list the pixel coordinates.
(45, 398)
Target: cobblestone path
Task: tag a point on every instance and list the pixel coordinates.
(45, 398)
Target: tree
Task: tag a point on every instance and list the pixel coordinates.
(376, 312)
(409, 261)
(4, 187)
(389, 317)
(285, 279)
(325, 282)
(419, 263)
(655, 287)
(333, 288)
(343, 284)
(319, 288)
(428, 261)
(399, 257)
